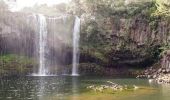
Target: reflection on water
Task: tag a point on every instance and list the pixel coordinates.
(75, 90)
(32, 88)
(42, 88)
(71, 88)
(165, 92)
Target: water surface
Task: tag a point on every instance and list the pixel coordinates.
(74, 88)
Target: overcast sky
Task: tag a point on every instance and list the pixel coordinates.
(29, 3)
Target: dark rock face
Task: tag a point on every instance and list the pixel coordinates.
(125, 41)
(160, 73)
(166, 60)
(163, 76)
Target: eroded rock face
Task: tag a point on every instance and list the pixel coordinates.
(163, 76)
(166, 60)
(131, 41)
(161, 72)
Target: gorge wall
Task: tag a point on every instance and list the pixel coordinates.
(122, 36)
(116, 36)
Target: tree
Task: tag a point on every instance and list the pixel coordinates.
(163, 7)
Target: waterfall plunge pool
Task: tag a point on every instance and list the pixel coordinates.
(74, 88)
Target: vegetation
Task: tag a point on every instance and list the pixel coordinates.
(114, 33)
(163, 7)
(57, 10)
(13, 64)
(118, 38)
(160, 12)
(103, 34)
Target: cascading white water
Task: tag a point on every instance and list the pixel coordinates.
(42, 45)
(42, 48)
(76, 36)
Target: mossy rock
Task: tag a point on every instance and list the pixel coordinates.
(12, 64)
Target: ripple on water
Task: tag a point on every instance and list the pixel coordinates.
(63, 87)
(9, 98)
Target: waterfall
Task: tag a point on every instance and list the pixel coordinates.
(42, 45)
(43, 51)
(76, 36)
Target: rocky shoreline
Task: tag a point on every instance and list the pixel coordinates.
(163, 79)
(159, 75)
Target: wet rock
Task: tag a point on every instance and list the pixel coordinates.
(112, 86)
(168, 70)
(163, 79)
(163, 71)
(149, 76)
(154, 76)
(160, 70)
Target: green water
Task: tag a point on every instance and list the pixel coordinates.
(74, 88)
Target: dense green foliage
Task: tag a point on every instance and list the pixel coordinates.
(108, 7)
(14, 64)
(163, 7)
(112, 31)
(161, 13)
